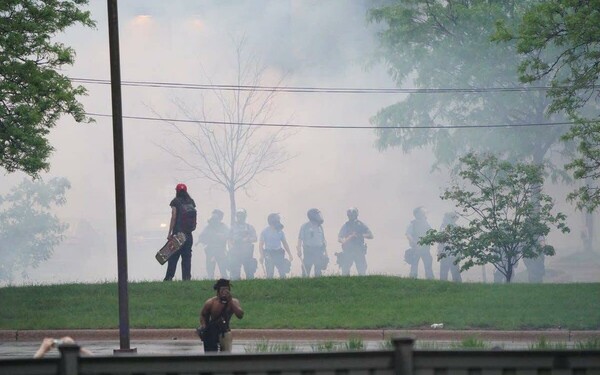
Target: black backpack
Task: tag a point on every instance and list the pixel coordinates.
(187, 217)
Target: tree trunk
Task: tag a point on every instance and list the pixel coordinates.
(589, 226)
(232, 206)
(509, 273)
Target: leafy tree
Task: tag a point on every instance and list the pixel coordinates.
(505, 211)
(560, 42)
(29, 232)
(33, 94)
(442, 44)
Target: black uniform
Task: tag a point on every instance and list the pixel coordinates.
(354, 250)
(241, 253)
(214, 237)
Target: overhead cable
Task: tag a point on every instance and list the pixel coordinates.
(309, 89)
(309, 126)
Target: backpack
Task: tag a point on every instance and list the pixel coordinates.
(187, 217)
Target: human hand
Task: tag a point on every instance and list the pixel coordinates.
(49, 343)
(66, 340)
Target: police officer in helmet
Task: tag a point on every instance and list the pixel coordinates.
(312, 244)
(214, 237)
(417, 229)
(352, 236)
(271, 245)
(241, 247)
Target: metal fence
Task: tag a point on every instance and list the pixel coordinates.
(402, 360)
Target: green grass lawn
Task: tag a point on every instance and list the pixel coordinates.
(368, 302)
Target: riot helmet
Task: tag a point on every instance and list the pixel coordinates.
(352, 213)
(274, 220)
(217, 216)
(419, 213)
(240, 215)
(314, 215)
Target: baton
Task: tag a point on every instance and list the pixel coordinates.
(262, 264)
(303, 267)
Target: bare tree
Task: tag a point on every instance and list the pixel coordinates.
(235, 151)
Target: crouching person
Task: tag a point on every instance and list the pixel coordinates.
(216, 313)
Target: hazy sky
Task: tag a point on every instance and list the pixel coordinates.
(320, 43)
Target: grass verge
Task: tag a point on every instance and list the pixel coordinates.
(335, 302)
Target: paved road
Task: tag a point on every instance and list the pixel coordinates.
(161, 347)
(15, 344)
(311, 334)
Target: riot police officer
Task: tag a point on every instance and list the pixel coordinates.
(311, 239)
(271, 245)
(447, 263)
(354, 249)
(214, 237)
(241, 247)
(417, 229)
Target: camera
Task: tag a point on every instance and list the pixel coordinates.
(200, 332)
(57, 342)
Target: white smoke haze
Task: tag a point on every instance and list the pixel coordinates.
(313, 44)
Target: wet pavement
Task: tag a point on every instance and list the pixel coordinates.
(167, 347)
(22, 344)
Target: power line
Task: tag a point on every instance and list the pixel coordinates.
(309, 89)
(308, 126)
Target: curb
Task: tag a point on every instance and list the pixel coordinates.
(317, 334)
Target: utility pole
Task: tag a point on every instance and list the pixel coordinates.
(117, 116)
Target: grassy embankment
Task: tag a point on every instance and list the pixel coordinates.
(372, 302)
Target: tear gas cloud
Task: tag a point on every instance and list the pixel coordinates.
(310, 44)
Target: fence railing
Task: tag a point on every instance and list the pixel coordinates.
(402, 360)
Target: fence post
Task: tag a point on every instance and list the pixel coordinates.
(403, 355)
(69, 359)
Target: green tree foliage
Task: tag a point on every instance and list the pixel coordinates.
(440, 44)
(560, 42)
(506, 214)
(32, 91)
(29, 232)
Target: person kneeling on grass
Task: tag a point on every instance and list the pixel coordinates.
(216, 313)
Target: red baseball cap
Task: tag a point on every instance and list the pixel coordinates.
(181, 187)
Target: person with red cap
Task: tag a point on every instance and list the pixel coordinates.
(183, 219)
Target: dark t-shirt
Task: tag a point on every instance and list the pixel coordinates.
(242, 235)
(177, 202)
(357, 227)
(214, 235)
(417, 229)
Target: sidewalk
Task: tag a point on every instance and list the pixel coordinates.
(300, 335)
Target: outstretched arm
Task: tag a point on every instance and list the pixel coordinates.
(49, 343)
